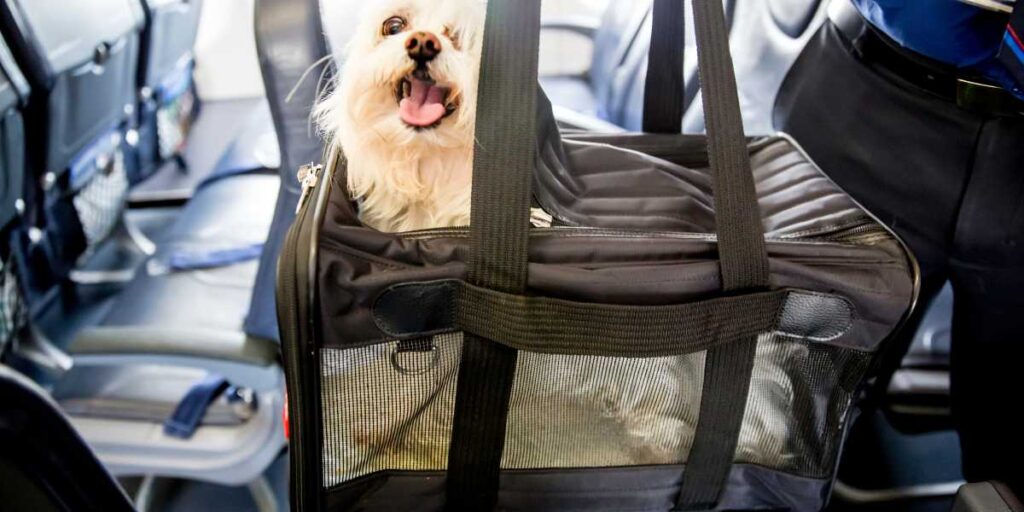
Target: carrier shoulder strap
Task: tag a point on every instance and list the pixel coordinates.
(503, 167)
(500, 222)
(744, 263)
(664, 100)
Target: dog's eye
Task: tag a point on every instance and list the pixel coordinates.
(393, 25)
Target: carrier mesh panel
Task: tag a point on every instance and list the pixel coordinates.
(100, 202)
(389, 407)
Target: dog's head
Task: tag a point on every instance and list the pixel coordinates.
(410, 76)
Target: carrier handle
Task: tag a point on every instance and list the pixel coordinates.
(547, 325)
(503, 170)
(664, 86)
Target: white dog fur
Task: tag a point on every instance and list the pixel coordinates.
(406, 177)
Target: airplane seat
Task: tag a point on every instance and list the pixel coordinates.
(13, 95)
(192, 315)
(589, 93)
(286, 51)
(167, 385)
(167, 102)
(174, 328)
(80, 59)
(767, 36)
(917, 395)
(172, 343)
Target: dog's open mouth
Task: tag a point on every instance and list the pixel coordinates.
(422, 103)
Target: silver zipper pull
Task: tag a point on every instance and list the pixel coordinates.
(540, 218)
(309, 176)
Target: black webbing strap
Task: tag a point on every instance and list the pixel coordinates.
(663, 91)
(744, 263)
(555, 326)
(500, 223)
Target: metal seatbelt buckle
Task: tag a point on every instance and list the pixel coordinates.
(988, 99)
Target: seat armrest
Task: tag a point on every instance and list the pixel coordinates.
(241, 359)
(199, 343)
(585, 26)
(986, 497)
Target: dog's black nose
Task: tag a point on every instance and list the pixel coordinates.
(423, 46)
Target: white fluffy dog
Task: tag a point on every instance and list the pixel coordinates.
(404, 112)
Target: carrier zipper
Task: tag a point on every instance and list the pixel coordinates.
(864, 233)
(462, 232)
(289, 320)
(299, 344)
(290, 255)
(308, 176)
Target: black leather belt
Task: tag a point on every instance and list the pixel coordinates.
(877, 50)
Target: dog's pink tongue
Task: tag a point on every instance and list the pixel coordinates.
(424, 106)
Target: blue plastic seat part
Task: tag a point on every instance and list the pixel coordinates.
(91, 160)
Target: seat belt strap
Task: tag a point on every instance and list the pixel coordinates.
(195, 260)
(188, 415)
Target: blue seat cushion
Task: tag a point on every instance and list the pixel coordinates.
(209, 298)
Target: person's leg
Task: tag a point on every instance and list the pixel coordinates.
(987, 270)
(903, 154)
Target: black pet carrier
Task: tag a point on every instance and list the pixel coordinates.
(658, 347)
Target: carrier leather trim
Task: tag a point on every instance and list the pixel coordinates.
(558, 326)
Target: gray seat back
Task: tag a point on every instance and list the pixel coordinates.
(13, 93)
(613, 40)
(766, 37)
(286, 51)
(166, 101)
(80, 59)
(171, 28)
